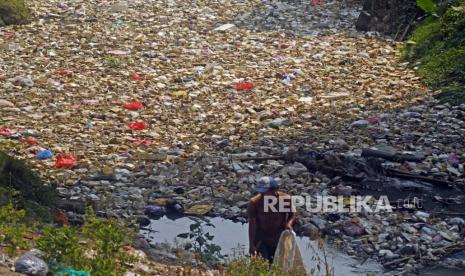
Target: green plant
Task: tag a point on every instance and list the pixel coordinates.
(21, 186)
(100, 252)
(13, 12)
(12, 229)
(201, 242)
(253, 266)
(427, 5)
(437, 47)
(61, 246)
(106, 240)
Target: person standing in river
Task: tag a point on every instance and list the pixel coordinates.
(266, 224)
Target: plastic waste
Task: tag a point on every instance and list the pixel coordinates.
(136, 76)
(133, 105)
(65, 160)
(69, 271)
(244, 86)
(31, 264)
(7, 132)
(276, 122)
(288, 256)
(315, 2)
(30, 141)
(138, 125)
(142, 142)
(360, 124)
(354, 229)
(23, 81)
(453, 160)
(154, 210)
(374, 120)
(58, 85)
(6, 103)
(61, 218)
(64, 73)
(44, 154)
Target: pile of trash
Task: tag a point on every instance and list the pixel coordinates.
(297, 17)
(136, 106)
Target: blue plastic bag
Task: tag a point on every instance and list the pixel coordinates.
(44, 154)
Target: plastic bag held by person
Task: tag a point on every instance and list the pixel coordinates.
(288, 256)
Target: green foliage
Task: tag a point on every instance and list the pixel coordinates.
(254, 266)
(61, 245)
(13, 12)
(201, 242)
(427, 5)
(452, 94)
(12, 229)
(107, 239)
(21, 186)
(100, 253)
(438, 47)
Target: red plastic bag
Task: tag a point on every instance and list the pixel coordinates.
(315, 2)
(7, 132)
(244, 86)
(142, 142)
(65, 160)
(61, 218)
(136, 77)
(374, 120)
(65, 73)
(30, 141)
(133, 105)
(138, 125)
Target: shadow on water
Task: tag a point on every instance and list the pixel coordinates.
(233, 239)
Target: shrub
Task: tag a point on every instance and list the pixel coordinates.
(21, 186)
(100, 252)
(12, 229)
(255, 266)
(438, 46)
(201, 242)
(13, 12)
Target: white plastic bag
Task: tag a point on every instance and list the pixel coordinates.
(288, 256)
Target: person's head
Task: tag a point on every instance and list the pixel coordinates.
(267, 184)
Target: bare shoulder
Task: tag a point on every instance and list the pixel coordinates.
(255, 199)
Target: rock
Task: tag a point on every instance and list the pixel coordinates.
(310, 230)
(295, 169)
(423, 216)
(388, 254)
(353, 228)
(200, 210)
(341, 190)
(319, 222)
(456, 221)
(30, 263)
(448, 236)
